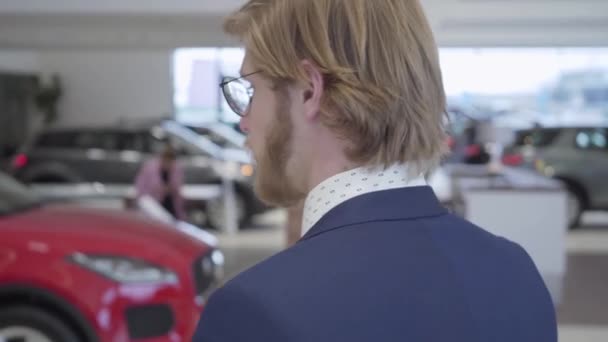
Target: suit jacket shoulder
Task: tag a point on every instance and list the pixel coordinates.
(391, 266)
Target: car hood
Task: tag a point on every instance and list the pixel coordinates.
(106, 231)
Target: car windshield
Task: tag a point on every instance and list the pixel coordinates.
(15, 197)
(536, 137)
(192, 139)
(221, 134)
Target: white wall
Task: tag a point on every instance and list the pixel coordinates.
(103, 86)
(19, 61)
(527, 23)
(119, 6)
(114, 56)
(180, 23)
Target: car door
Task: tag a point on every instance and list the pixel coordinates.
(198, 167)
(130, 155)
(109, 158)
(89, 156)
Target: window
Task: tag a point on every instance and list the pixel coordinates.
(536, 137)
(592, 139)
(155, 144)
(550, 85)
(596, 96)
(135, 141)
(56, 140)
(109, 141)
(87, 140)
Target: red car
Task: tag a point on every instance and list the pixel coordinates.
(72, 274)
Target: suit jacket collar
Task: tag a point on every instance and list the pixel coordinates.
(397, 204)
(353, 183)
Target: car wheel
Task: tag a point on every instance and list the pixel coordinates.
(28, 324)
(575, 208)
(216, 216)
(197, 215)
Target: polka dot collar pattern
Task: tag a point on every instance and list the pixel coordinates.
(346, 185)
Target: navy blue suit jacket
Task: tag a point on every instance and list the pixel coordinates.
(387, 266)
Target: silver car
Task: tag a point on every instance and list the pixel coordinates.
(578, 156)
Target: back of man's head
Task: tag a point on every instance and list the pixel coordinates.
(383, 87)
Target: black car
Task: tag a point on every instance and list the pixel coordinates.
(113, 156)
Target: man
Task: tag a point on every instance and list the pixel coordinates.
(343, 104)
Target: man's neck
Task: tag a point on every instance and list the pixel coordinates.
(327, 167)
(326, 158)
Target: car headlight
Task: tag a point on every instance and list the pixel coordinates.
(217, 258)
(124, 269)
(247, 170)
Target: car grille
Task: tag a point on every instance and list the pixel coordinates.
(149, 321)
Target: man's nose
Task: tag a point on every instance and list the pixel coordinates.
(244, 124)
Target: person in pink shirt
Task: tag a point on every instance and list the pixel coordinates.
(161, 178)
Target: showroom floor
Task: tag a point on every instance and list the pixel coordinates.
(583, 314)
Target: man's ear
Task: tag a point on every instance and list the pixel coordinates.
(313, 88)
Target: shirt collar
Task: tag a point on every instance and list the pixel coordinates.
(349, 184)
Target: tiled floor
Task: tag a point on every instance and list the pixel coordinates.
(583, 314)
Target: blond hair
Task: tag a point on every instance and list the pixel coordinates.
(383, 86)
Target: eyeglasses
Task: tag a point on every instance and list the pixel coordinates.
(238, 92)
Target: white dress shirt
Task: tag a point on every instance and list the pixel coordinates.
(349, 184)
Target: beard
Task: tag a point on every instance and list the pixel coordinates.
(272, 183)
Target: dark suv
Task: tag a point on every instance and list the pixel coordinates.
(578, 156)
(113, 156)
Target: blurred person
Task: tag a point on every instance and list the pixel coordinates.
(343, 103)
(161, 178)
